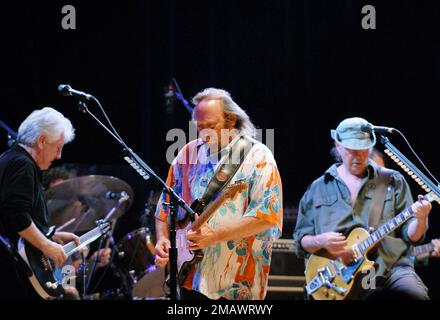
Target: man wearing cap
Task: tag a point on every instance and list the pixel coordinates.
(343, 198)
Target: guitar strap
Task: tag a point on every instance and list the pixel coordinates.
(225, 171)
(382, 182)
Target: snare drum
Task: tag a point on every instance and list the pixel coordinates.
(136, 258)
(135, 252)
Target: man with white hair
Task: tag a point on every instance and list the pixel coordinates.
(237, 240)
(23, 212)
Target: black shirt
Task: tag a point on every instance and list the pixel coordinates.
(21, 194)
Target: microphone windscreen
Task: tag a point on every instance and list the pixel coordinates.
(64, 89)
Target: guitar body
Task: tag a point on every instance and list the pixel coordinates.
(47, 280)
(345, 277)
(185, 257)
(43, 278)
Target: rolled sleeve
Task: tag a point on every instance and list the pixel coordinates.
(404, 200)
(162, 212)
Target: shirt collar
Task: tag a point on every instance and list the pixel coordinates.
(332, 173)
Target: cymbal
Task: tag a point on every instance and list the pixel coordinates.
(75, 204)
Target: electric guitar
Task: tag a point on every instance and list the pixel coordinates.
(336, 279)
(185, 257)
(47, 280)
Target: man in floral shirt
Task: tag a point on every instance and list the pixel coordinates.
(237, 240)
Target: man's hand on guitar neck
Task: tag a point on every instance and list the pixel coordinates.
(203, 238)
(418, 226)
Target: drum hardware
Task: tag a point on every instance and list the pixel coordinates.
(75, 204)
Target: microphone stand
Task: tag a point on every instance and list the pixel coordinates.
(12, 135)
(11, 132)
(146, 172)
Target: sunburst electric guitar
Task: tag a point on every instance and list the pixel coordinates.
(336, 279)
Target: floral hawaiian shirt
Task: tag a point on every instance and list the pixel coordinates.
(237, 269)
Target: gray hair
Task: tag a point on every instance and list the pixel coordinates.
(244, 124)
(47, 121)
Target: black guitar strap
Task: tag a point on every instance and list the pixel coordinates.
(225, 171)
(382, 182)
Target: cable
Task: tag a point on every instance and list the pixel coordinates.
(101, 241)
(105, 271)
(418, 158)
(109, 121)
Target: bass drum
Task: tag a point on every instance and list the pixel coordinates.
(135, 257)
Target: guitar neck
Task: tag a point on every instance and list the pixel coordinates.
(385, 229)
(208, 212)
(426, 184)
(424, 251)
(70, 248)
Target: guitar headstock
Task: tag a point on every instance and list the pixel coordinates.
(104, 226)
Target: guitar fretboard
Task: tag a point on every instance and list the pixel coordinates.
(385, 229)
(87, 238)
(424, 251)
(229, 192)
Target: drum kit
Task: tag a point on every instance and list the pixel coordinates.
(75, 204)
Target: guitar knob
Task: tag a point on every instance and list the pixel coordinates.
(332, 296)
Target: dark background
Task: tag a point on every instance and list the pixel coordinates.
(298, 67)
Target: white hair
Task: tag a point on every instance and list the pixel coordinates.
(47, 121)
(244, 124)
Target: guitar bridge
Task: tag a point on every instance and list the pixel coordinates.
(324, 278)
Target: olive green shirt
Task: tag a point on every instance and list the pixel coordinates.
(326, 207)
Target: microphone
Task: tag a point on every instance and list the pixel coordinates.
(369, 128)
(66, 90)
(170, 98)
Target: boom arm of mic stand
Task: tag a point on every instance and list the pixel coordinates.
(145, 171)
(139, 165)
(9, 130)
